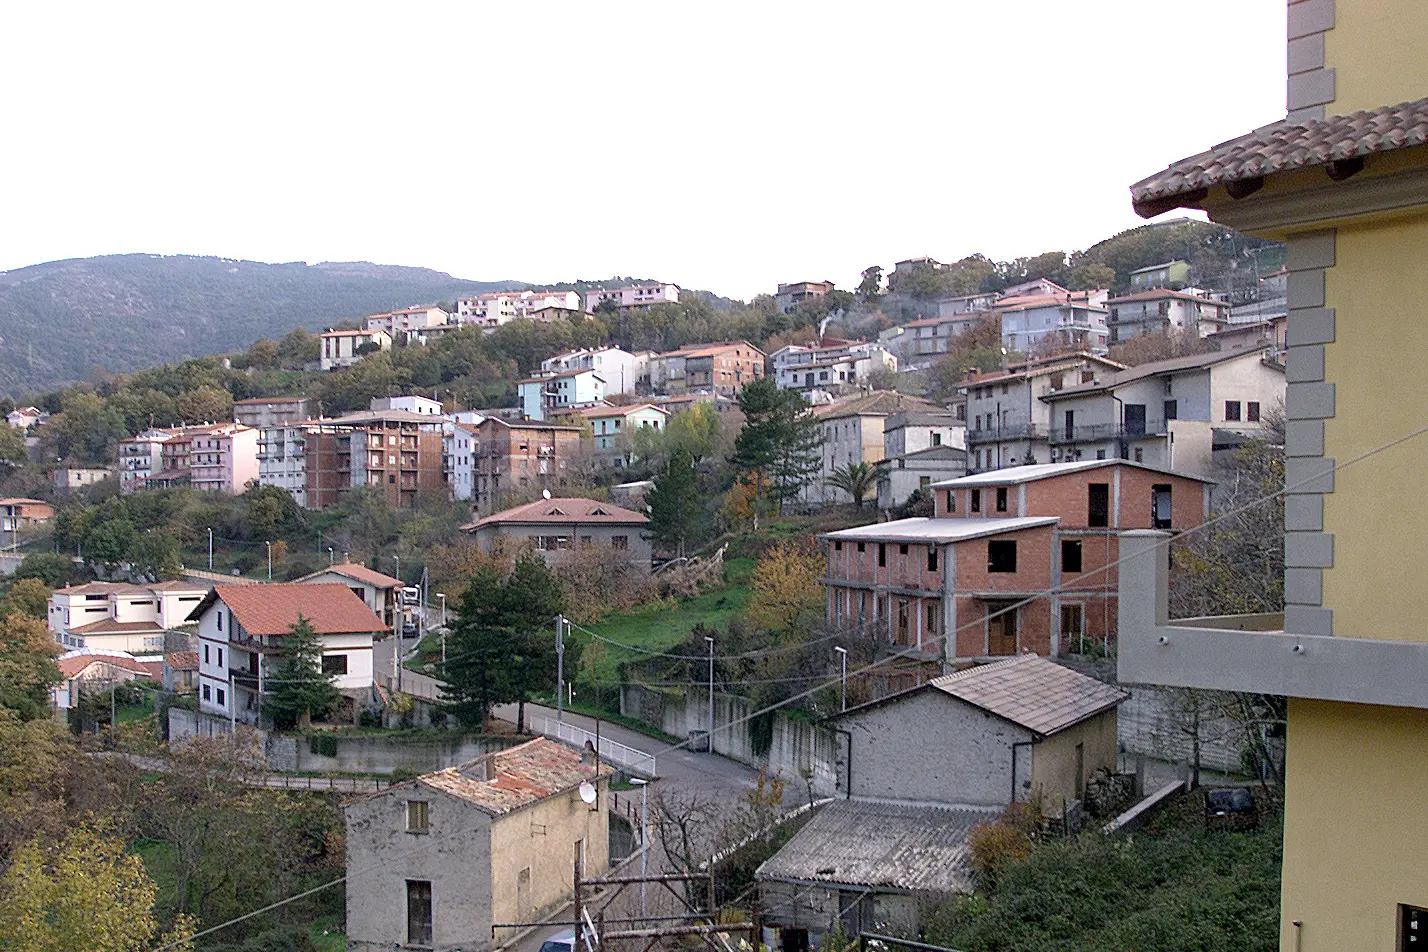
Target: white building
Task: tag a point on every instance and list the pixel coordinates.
(425, 406)
(634, 296)
(340, 348)
(413, 319)
(621, 371)
(1078, 318)
(458, 453)
(141, 457)
(613, 429)
(240, 632)
(282, 458)
(114, 616)
(77, 477)
(495, 308)
(836, 366)
(541, 397)
(1164, 311)
(23, 418)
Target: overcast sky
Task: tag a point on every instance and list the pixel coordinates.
(720, 145)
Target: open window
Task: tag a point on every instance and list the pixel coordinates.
(1001, 555)
(1071, 555)
(1160, 508)
(1098, 505)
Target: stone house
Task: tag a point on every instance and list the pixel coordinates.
(553, 526)
(435, 862)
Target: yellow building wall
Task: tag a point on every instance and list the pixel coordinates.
(1356, 790)
(1053, 761)
(1375, 587)
(1376, 51)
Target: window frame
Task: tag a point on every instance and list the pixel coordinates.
(1001, 557)
(417, 816)
(1069, 546)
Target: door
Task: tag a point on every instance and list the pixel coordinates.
(1072, 625)
(1001, 628)
(1135, 419)
(1070, 424)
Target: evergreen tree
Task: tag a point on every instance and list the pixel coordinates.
(478, 672)
(532, 599)
(779, 441)
(673, 502)
(303, 690)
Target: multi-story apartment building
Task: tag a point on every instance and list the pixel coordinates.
(924, 340)
(1342, 181)
(212, 457)
(790, 296)
(261, 412)
(1268, 335)
(1007, 421)
(948, 588)
(18, 514)
(852, 431)
(1169, 274)
(1074, 318)
(1167, 413)
(282, 456)
(421, 406)
(116, 616)
(495, 308)
(622, 372)
(721, 368)
(458, 452)
(613, 430)
(513, 457)
(240, 644)
(398, 324)
(394, 452)
(141, 457)
(1165, 311)
(341, 348)
(547, 394)
(833, 366)
(634, 296)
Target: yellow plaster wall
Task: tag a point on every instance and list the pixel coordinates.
(1376, 51)
(1356, 788)
(1378, 511)
(1053, 761)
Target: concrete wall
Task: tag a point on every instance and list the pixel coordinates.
(455, 856)
(381, 754)
(959, 754)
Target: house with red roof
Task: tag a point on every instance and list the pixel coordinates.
(450, 854)
(90, 669)
(241, 629)
(553, 526)
(382, 594)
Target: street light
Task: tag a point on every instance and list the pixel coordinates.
(843, 693)
(644, 832)
(331, 556)
(711, 693)
(270, 560)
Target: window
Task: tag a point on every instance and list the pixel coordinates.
(1098, 505)
(620, 542)
(1412, 928)
(1252, 412)
(418, 818)
(1001, 555)
(220, 619)
(1172, 410)
(1139, 455)
(1232, 410)
(931, 626)
(205, 654)
(220, 697)
(220, 657)
(334, 664)
(837, 547)
(976, 500)
(861, 547)
(931, 558)
(1072, 622)
(1070, 555)
(1001, 499)
(882, 555)
(419, 912)
(937, 439)
(207, 693)
(902, 548)
(1160, 509)
(951, 501)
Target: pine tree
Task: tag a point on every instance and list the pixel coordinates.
(673, 503)
(478, 672)
(302, 690)
(779, 441)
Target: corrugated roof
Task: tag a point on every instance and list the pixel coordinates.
(562, 512)
(507, 780)
(359, 573)
(1283, 147)
(1038, 694)
(892, 846)
(273, 609)
(938, 530)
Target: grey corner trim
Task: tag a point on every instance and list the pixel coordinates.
(1304, 438)
(1308, 550)
(1304, 513)
(1303, 620)
(1308, 250)
(1304, 587)
(1310, 325)
(1304, 364)
(1306, 53)
(1310, 16)
(1314, 475)
(1307, 114)
(1309, 401)
(1306, 288)
(1314, 88)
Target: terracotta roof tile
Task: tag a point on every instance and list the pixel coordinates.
(108, 626)
(71, 666)
(1283, 147)
(507, 780)
(182, 660)
(273, 609)
(358, 573)
(562, 512)
(1038, 694)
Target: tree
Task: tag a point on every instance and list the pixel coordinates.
(479, 671)
(303, 689)
(1145, 348)
(872, 282)
(779, 441)
(856, 479)
(52, 569)
(13, 452)
(673, 506)
(207, 404)
(978, 348)
(786, 595)
(27, 667)
(531, 598)
(84, 892)
(28, 596)
(155, 554)
(109, 542)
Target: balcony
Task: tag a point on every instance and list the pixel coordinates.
(1250, 653)
(1095, 432)
(1015, 431)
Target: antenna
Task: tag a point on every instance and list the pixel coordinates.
(587, 791)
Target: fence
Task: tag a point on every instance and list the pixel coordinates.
(632, 760)
(340, 784)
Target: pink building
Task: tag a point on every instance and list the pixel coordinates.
(217, 457)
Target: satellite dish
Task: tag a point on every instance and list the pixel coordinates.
(587, 791)
(545, 494)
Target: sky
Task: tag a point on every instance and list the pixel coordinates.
(726, 146)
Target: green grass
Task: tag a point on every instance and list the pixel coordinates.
(136, 712)
(326, 935)
(159, 861)
(659, 627)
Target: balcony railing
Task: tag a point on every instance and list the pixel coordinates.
(1014, 431)
(1092, 432)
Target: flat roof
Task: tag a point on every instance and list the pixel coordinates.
(953, 529)
(1013, 475)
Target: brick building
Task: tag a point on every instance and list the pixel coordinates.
(948, 589)
(392, 450)
(511, 457)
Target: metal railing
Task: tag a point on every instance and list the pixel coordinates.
(1014, 431)
(1104, 431)
(632, 760)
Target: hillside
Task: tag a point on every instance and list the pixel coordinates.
(61, 320)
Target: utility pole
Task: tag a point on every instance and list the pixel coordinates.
(644, 834)
(711, 692)
(270, 560)
(210, 549)
(843, 693)
(560, 669)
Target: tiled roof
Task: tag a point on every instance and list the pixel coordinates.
(595, 413)
(177, 586)
(359, 573)
(880, 403)
(331, 609)
(1155, 367)
(1038, 694)
(182, 660)
(562, 512)
(108, 626)
(1283, 147)
(73, 663)
(103, 588)
(893, 846)
(507, 780)
(707, 350)
(22, 501)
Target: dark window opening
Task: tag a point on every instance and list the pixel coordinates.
(1098, 505)
(862, 546)
(334, 664)
(1001, 555)
(931, 559)
(882, 555)
(951, 501)
(1160, 506)
(1232, 410)
(1001, 499)
(1172, 409)
(902, 548)
(837, 547)
(419, 912)
(1412, 928)
(1252, 412)
(1135, 419)
(976, 500)
(1070, 555)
